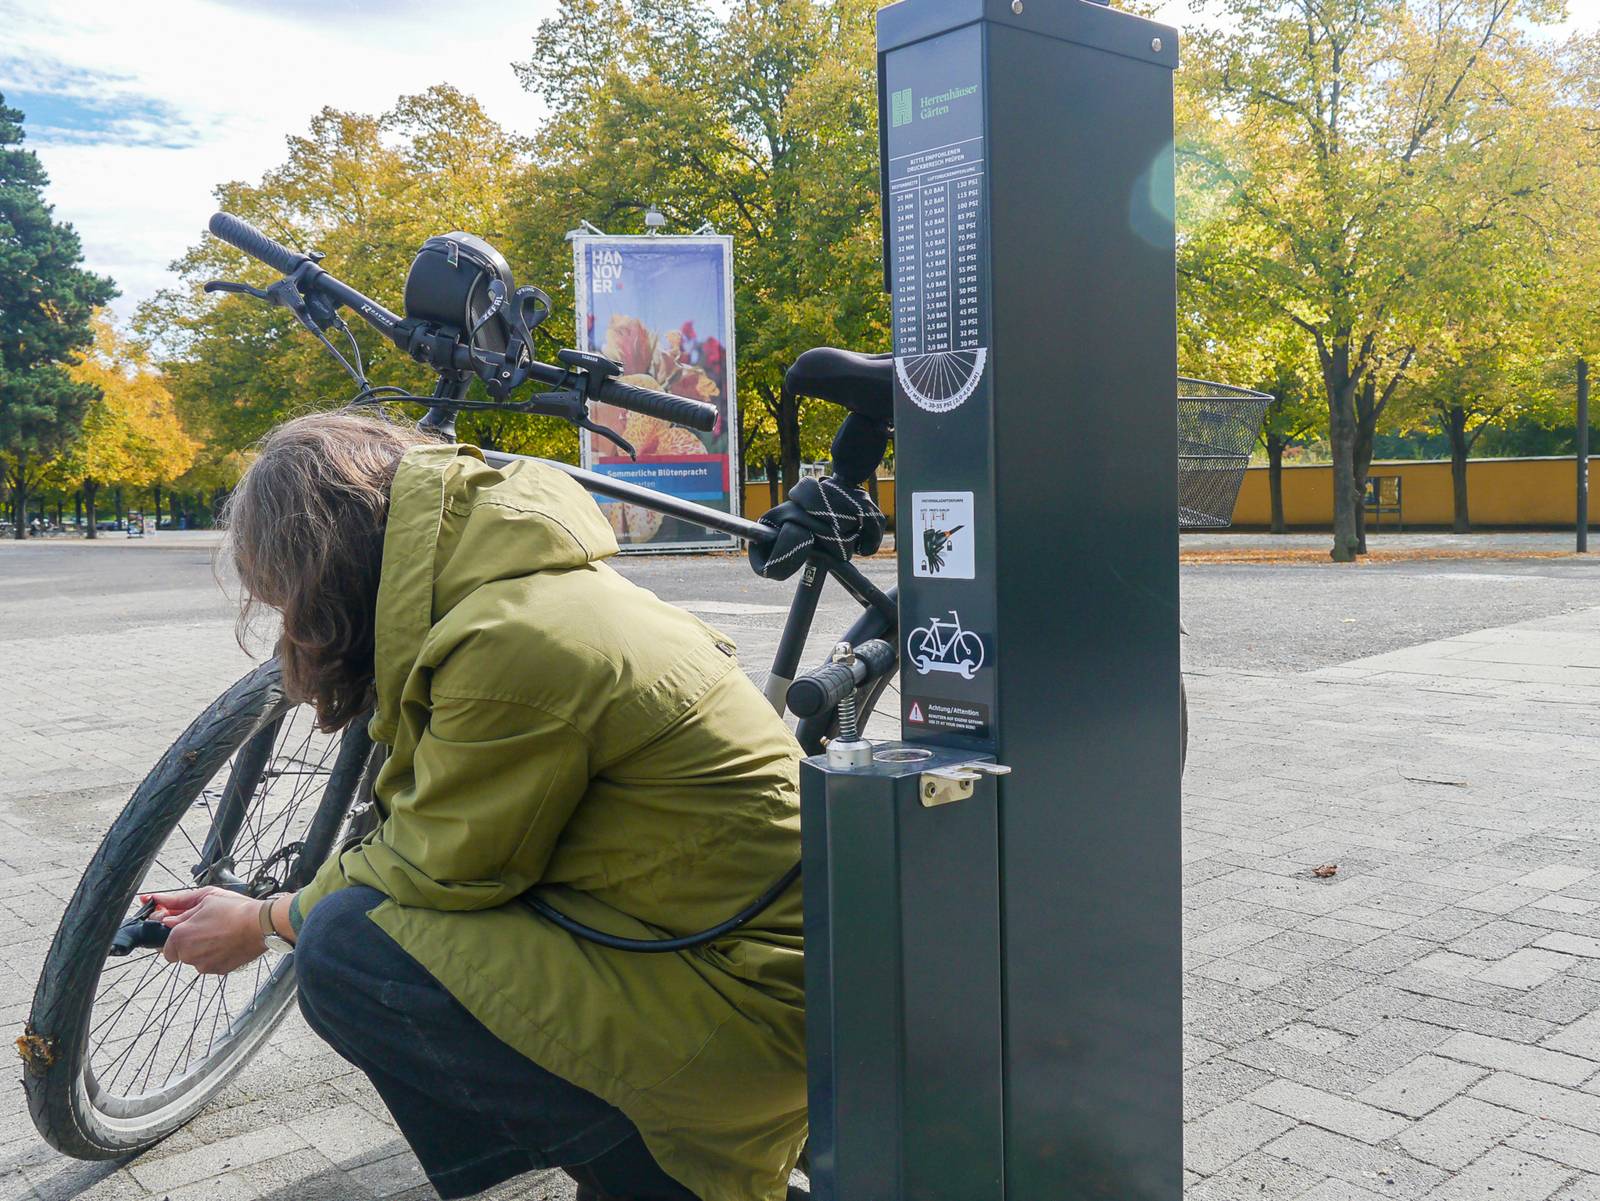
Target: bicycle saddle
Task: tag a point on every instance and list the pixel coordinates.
(862, 383)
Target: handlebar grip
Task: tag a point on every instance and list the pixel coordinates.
(878, 655)
(818, 691)
(255, 243)
(677, 409)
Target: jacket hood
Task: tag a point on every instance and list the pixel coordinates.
(456, 524)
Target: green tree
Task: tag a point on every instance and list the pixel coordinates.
(763, 122)
(368, 190)
(1232, 336)
(1361, 165)
(46, 301)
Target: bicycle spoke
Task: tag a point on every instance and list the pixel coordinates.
(188, 1043)
(144, 982)
(167, 1013)
(154, 1025)
(133, 1041)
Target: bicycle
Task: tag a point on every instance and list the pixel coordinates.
(122, 1048)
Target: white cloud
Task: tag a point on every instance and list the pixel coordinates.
(171, 97)
(1582, 15)
(146, 105)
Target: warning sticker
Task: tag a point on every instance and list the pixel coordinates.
(944, 535)
(963, 717)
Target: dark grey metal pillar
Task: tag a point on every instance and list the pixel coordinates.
(1028, 211)
(902, 925)
(993, 984)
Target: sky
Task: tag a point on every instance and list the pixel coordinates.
(139, 108)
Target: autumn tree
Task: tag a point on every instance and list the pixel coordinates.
(367, 190)
(46, 299)
(131, 434)
(1365, 161)
(1234, 336)
(760, 119)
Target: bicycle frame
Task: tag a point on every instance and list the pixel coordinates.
(813, 575)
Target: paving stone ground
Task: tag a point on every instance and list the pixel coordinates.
(1422, 1024)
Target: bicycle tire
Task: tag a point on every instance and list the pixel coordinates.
(72, 1110)
(1183, 726)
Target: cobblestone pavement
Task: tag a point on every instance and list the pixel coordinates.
(1422, 1024)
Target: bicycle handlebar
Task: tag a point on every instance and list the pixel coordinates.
(402, 332)
(252, 241)
(818, 691)
(679, 409)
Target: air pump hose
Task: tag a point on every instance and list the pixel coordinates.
(659, 945)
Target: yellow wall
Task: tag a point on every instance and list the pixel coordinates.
(757, 500)
(1500, 492)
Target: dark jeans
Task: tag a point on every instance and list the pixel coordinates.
(474, 1110)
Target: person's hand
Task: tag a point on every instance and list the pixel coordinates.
(213, 929)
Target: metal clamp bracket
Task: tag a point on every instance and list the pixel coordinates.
(942, 785)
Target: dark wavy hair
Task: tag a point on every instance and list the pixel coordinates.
(305, 532)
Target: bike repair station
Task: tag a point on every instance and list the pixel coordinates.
(993, 904)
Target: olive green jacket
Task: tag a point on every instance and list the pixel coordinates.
(552, 724)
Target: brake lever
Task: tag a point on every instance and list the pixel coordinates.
(589, 423)
(285, 293)
(225, 285)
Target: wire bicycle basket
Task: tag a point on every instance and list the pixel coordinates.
(1217, 428)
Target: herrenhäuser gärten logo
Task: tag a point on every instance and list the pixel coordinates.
(900, 106)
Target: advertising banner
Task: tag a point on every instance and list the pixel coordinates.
(663, 308)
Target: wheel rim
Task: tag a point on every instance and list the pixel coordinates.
(156, 1030)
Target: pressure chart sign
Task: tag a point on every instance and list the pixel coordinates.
(935, 225)
(936, 229)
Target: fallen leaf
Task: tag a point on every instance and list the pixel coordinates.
(37, 1052)
(1326, 870)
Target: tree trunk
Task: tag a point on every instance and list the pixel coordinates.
(1342, 440)
(1455, 425)
(19, 497)
(116, 496)
(789, 437)
(91, 489)
(772, 481)
(1275, 480)
(77, 509)
(155, 502)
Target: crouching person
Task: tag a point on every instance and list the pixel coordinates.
(549, 725)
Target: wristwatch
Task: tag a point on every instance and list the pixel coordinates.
(269, 934)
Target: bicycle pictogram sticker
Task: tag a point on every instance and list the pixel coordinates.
(945, 646)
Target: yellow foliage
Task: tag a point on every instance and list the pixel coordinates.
(132, 434)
